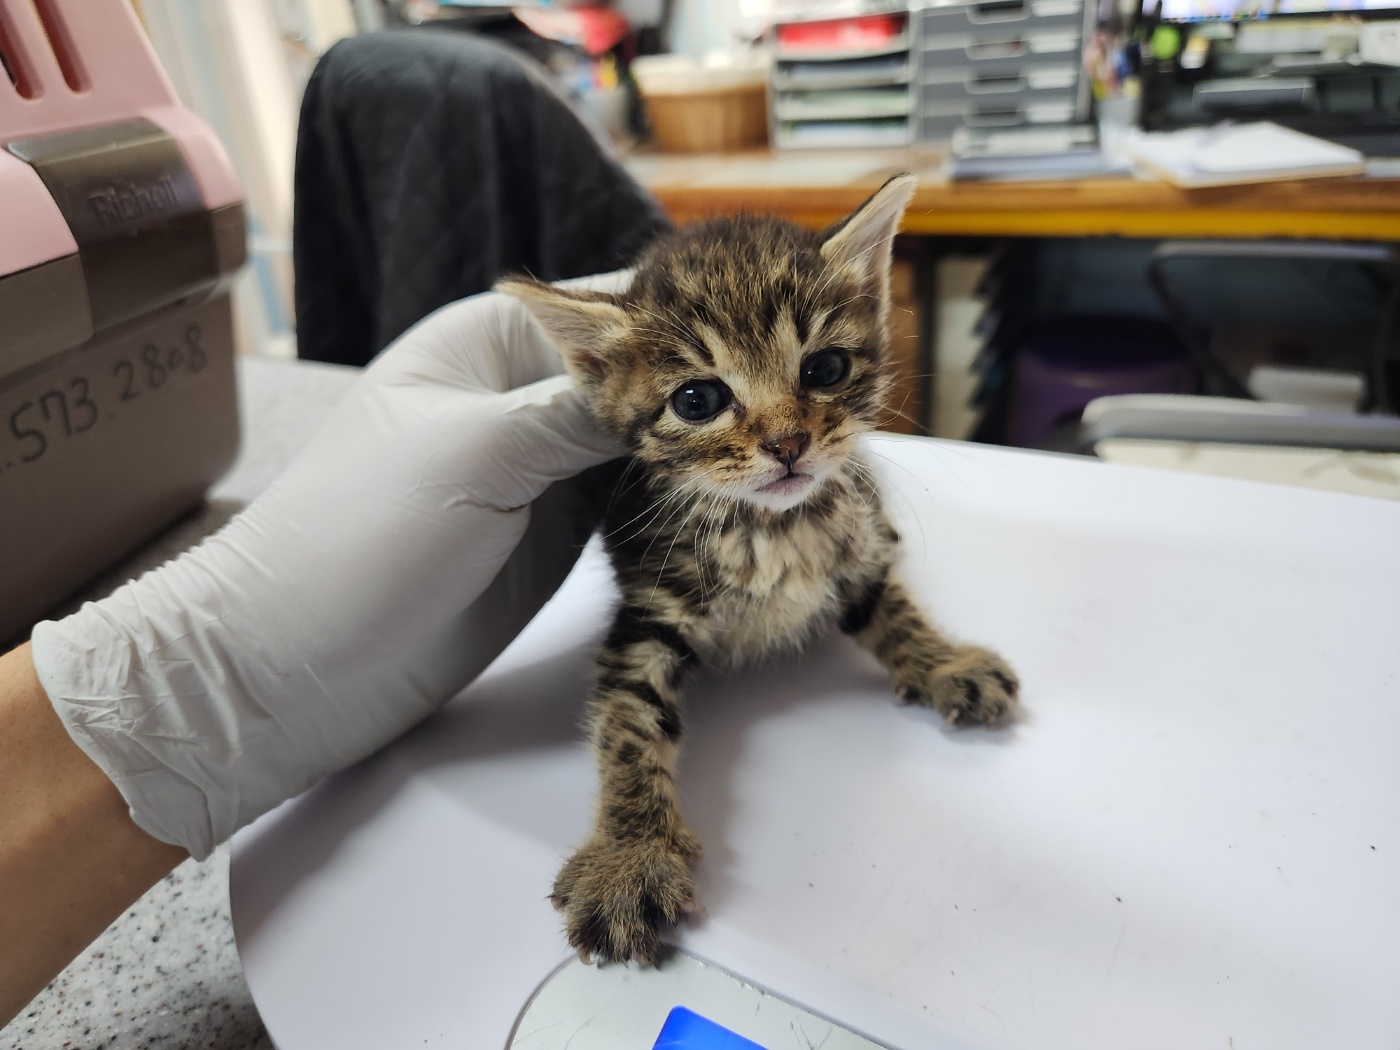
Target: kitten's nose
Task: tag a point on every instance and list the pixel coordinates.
(786, 450)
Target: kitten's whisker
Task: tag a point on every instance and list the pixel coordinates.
(660, 529)
(666, 318)
(898, 412)
(717, 512)
(621, 483)
(706, 535)
(873, 479)
(895, 413)
(662, 571)
(669, 337)
(832, 274)
(654, 505)
(847, 302)
(660, 505)
(865, 472)
(921, 483)
(697, 543)
(677, 329)
(908, 393)
(949, 468)
(947, 447)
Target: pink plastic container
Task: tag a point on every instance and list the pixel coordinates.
(121, 224)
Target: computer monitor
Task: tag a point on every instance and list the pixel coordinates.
(1251, 10)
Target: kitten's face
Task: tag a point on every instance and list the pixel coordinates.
(746, 365)
(746, 357)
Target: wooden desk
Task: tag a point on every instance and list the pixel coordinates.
(813, 189)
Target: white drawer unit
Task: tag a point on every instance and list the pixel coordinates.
(809, 74)
(843, 81)
(998, 64)
(972, 48)
(938, 123)
(983, 15)
(1009, 78)
(849, 104)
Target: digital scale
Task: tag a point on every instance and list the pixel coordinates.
(602, 1008)
(1191, 838)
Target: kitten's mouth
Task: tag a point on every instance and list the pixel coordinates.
(790, 484)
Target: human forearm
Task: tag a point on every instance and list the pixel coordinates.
(71, 859)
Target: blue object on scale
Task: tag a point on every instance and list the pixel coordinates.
(686, 1030)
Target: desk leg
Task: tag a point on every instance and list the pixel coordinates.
(910, 337)
(926, 284)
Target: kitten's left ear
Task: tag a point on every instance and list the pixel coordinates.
(866, 238)
(582, 324)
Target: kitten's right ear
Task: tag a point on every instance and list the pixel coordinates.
(864, 239)
(582, 324)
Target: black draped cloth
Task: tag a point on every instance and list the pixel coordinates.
(428, 165)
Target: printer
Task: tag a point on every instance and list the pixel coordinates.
(121, 225)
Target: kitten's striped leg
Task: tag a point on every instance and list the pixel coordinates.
(963, 683)
(633, 873)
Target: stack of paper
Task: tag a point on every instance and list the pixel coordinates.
(1030, 154)
(1230, 154)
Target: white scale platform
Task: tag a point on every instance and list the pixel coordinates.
(1192, 839)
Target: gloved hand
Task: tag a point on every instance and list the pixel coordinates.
(365, 588)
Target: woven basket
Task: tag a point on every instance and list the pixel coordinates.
(709, 121)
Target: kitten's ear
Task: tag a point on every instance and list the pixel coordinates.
(865, 238)
(581, 323)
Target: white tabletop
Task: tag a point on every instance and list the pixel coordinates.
(1191, 839)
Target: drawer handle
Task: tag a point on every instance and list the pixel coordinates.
(997, 49)
(997, 11)
(993, 118)
(988, 85)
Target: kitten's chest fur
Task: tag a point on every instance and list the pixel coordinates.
(740, 582)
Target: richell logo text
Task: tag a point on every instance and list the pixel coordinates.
(132, 201)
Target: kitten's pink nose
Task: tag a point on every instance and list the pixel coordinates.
(786, 450)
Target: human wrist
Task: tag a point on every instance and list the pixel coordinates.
(61, 820)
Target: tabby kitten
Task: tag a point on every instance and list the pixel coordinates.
(739, 369)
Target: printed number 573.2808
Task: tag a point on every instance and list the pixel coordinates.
(75, 405)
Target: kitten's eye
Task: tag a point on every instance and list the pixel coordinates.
(700, 399)
(825, 368)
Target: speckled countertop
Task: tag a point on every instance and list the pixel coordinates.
(166, 974)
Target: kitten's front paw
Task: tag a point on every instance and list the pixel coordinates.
(975, 686)
(615, 896)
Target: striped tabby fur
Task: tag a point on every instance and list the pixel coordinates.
(741, 533)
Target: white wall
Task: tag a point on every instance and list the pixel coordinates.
(241, 65)
(705, 25)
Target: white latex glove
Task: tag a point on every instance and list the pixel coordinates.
(364, 589)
